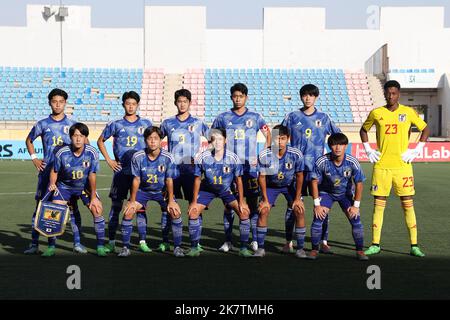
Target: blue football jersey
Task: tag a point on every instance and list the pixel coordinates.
(53, 134)
(184, 137)
(280, 172)
(242, 135)
(73, 171)
(218, 175)
(128, 138)
(334, 180)
(308, 133)
(153, 173)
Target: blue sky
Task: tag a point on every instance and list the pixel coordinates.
(245, 14)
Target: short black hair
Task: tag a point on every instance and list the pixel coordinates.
(130, 95)
(309, 89)
(84, 130)
(220, 131)
(392, 84)
(152, 129)
(239, 87)
(183, 93)
(282, 130)
(337, 139)
(57, 92)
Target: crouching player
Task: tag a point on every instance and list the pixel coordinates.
(74, 176)
(333, 179)
(280, 169)
(220, 168)
(154, 170)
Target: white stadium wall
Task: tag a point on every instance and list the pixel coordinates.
(176, 38)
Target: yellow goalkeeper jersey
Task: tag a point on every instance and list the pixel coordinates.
(393, 133)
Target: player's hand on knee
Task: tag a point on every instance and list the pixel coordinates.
(320, 212)
(130, 208)
(299, 206)
(52, 187)
(353, 212)
(193, 210)
(244, 209)
(174, 209)
(96, 206)
(264, 205)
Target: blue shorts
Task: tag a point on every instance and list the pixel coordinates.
(184, 182)
(205, 197)
(120, 186)
(43, 181)
(143, 197)
(327, 200)
(287, 192)
(65, 194)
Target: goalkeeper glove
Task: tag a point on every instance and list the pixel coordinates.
(373, 155)
(409, 155)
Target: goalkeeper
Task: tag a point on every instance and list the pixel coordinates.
(393, 161)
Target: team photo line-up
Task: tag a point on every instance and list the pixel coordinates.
(248, 182)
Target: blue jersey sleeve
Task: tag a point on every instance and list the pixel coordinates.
(358, 173)
(264, 163)
(36, 131)
(300, 164)
(163, 128)
(56, 163)
(217, 123)
(95, 164)
(198, 166)
(332, 128)
(109, 130)
(205, 129)
(316, 173)
(172, 171)
(287, 122)
(136, 167)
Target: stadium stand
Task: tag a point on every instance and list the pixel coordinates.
(95, 93)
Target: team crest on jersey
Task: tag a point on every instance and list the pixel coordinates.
(347, 172)
(402, 117)
(141, 130)
(249, 123)
(86, 163)
(191, 128)
(66, 129)
(318, 123)
(374, 187)
(288, 165)
(161, 168)
(226, 169)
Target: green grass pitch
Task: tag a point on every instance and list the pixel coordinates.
(226, 276)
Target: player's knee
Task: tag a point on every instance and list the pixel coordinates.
(264, 213)
(299, 213)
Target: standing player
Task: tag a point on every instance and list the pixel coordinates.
(277, 170)
(183, 133)
(54, 132)
(334, 178)
(242, 126)
(128, 139)
(220, 167)
(393, 164)
(74, 176)
(153, 172)
(308, 128)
